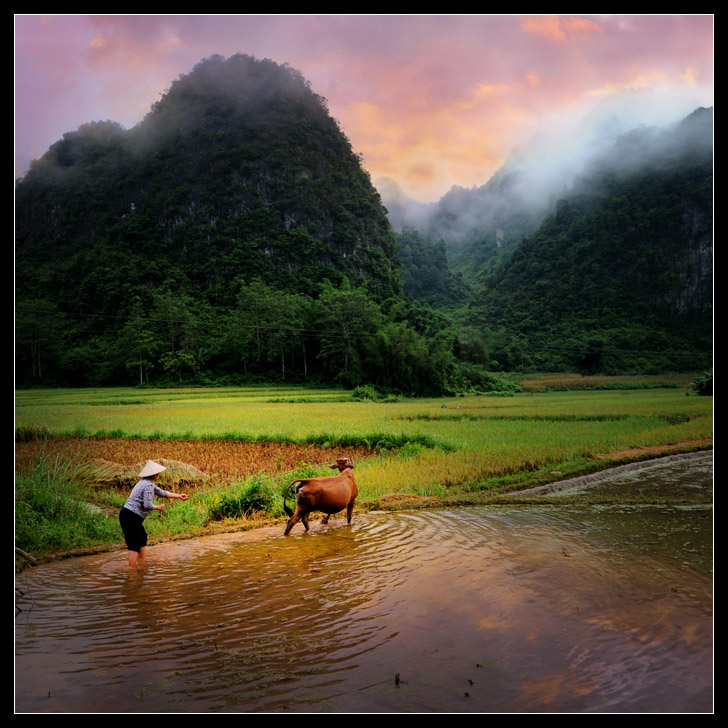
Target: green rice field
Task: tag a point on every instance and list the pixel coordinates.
(471, 447)
(484, 436)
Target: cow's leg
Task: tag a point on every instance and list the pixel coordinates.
(325, 519)
(293, 520)
(349, 510)
(304, 520)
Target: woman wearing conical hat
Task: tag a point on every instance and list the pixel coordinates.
(138, 506)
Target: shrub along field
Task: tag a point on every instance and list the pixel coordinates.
(250, 442)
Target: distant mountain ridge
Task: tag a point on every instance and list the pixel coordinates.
(621, 274)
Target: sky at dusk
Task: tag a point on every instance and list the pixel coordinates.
(429, 101)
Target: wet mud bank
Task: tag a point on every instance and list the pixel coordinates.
(681, 467)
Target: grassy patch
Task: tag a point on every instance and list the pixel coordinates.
(54, 512)
(31, 433)
(474, 417)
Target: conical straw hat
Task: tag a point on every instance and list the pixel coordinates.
(151, 468)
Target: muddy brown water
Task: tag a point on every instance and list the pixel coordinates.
(506, 609)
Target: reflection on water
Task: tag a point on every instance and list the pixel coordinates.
(479, 609)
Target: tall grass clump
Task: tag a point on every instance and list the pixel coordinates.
(177, 518)
(258, 494)
(52, 512)
(31, 433)
(703, 384)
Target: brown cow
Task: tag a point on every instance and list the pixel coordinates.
(328, 494)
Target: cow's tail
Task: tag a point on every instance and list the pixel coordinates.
(286, 509)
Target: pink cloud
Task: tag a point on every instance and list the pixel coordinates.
(548, 26)
(429, 100)
(558, 29)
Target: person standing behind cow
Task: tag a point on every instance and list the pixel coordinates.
(138, 506)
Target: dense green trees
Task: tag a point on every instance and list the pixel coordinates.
(426, 275)
(342, 335)
(39, 328)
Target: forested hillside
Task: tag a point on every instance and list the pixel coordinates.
(233, 236)
(238, 166)
(620, 276)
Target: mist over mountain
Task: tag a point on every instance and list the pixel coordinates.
(402, 211)
(483, 224)
(238, 170)
(620, 273)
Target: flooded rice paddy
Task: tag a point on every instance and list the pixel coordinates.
(498, 609)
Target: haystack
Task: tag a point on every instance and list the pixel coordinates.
(112, 475)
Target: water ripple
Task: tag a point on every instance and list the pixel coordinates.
(463, 610)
